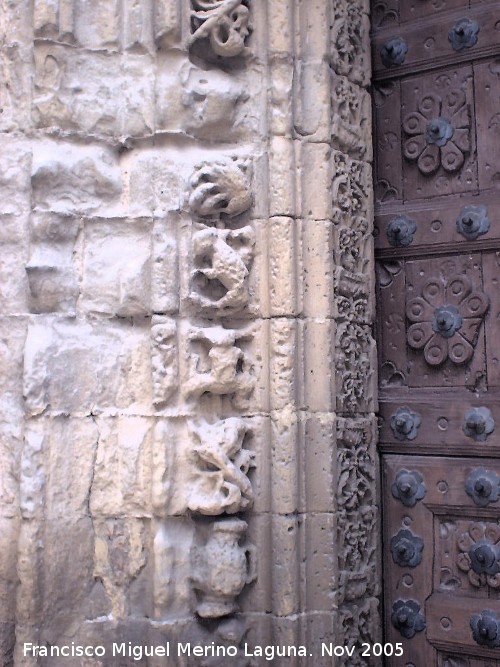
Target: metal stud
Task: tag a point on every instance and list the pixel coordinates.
(400, 231)
(406, 548)
(486, 628)
(483, 486)
(405, 423)
(473, 221)
(479, 423)
(408, 487)
(406, 617)
(463, 35)
(393, 52)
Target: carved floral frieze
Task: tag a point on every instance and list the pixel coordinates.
(446, 318)
(438, 133)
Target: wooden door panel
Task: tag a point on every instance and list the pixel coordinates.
(413, 9)
(491, 273)
(437, 240)
(434, 536)
(387, 153)
(427, 37)
(424, 100)
(487, 84)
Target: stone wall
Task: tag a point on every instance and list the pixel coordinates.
(188, 429)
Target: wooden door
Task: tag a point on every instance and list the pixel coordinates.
(437, 182)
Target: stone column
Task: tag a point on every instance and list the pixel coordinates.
(189, 367)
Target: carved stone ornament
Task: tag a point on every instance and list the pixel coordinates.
(483, 486)
(464, 33)
(439, 133)
(400, 231)
(220, 189)
(221, 260)
(473, 221)
(406, 617)
(480, 554)
(406, 548)
(446, 317)
(408, 487)
(217, 365)
(393, 52)
(486, 628)
(222, 568)
(222, 465)
(224, 23)
(405, 423)
(478, 424)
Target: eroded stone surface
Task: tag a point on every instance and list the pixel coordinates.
(187, 298)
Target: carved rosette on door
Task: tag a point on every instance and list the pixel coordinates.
(436, 80)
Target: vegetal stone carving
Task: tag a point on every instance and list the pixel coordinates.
(222, 464)
(222, 568)
(221, 260)
(224, 23)
(216, 364)
(446, 317)
(480, 554)
(220, 189)
(436, 139)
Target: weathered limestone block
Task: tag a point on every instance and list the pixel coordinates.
(67, 179)
(117, 267)
(52, 275)
(123, 563)
(78, 368)
(57, 534)
(68, 82)
(172, 543)
(15, 95)
(207, 104)
(123, 467)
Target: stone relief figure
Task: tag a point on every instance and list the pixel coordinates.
(222, 568)
(224, 23)
(222, 466)
(220, 188)
(210, 103)
(221, 266)
(163, 358)
(216, 364)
